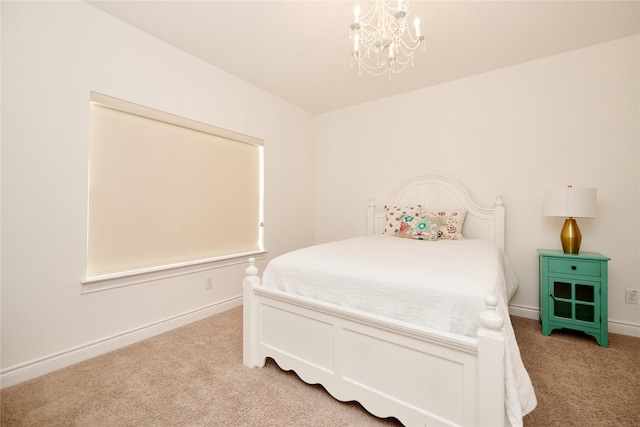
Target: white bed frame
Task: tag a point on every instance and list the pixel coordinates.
(419, 375)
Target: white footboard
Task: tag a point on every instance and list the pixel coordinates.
(419, 375)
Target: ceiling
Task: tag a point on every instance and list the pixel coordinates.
(300, 50)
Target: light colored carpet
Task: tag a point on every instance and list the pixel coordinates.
(194, 376)
(191, 376)
(577, 382)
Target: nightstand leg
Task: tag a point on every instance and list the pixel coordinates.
(546, 329)
(603, 339)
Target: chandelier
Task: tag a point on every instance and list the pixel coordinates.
(382, 39)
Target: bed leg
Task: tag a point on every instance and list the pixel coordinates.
(250, 316)
(491, 366)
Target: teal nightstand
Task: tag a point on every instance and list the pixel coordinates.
(573, 292)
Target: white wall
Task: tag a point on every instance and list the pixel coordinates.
(53, 55)
(567, 119)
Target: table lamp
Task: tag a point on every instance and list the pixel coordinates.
(571, 203)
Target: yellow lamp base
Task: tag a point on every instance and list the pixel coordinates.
(570, 236)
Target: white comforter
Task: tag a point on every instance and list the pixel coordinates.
(440, 284)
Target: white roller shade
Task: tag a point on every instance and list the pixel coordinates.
(166, 190)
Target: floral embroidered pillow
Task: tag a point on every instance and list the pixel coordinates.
(394, 215)
(419, 227)
(450, 225)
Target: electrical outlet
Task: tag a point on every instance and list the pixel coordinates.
(208, 284)
(631, 296)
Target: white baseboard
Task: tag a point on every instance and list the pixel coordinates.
(615, 326)
(26, 371)
(624, 328)
(524, 311)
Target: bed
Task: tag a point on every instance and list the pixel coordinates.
(368, 317)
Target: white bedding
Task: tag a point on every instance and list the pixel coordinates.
(440, 284)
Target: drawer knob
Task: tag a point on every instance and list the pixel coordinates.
(573, 267)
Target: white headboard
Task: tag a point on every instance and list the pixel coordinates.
(436, 192)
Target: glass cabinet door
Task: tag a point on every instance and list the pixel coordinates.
(570, 300)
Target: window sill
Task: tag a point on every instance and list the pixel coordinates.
(117, 280)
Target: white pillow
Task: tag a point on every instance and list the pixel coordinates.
(394, 216)
(451, 223)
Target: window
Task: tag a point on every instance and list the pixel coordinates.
(165, 191)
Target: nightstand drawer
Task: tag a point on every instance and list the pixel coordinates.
(584, 268)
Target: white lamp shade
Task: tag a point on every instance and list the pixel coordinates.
(571, 202)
